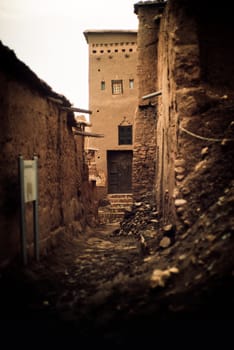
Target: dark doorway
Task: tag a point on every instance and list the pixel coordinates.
(119, 165)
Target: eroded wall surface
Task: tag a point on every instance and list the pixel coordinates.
(195, 115)
(33, 124)
(144, 151)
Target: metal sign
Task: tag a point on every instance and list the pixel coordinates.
(29, 180)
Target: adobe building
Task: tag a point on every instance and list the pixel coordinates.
(36, 121)
(113, 92)
(184, 124)
(145, 151)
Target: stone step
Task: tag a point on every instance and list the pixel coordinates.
(120, 200)
(109, 217)
(120, 208)
(110, 214)
(121, 205)
(114, 212)
(119, 195)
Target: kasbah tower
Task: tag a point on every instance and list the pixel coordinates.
(113, 91)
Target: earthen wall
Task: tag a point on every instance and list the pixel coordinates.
(112, 57)
(32, 124)
(144, 152)
(195, 76)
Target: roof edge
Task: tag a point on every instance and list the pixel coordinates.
(17, 70)
(156, 3)
(87, 32)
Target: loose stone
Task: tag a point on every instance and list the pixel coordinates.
(180, 202)
(165, 242)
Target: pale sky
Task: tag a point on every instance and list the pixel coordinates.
(47, 35)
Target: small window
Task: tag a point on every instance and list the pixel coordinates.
(103, 85)
(117, 87)
(125, 135)
(131, 83)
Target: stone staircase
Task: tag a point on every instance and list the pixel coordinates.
(114, 212)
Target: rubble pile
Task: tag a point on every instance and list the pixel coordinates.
(144, 224)
(143, 219)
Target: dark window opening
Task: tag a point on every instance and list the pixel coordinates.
(103, 85)
(125, 135)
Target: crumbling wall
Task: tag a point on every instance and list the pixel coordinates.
(195, 115)
(178, 75)
(31, 123)
(144, 151)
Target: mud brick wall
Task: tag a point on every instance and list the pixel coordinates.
(178, 74)
(195, 75)
(33, 124)
(144, 155)
(144, 151)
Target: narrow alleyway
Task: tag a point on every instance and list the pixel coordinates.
(165, 273)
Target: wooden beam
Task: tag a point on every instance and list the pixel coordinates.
(75, 109)
(157, 93)
(86, 133)
(56, 100)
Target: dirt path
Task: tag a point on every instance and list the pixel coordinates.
(102, 286)
(73, 290)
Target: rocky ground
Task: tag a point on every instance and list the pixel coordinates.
(119, 284)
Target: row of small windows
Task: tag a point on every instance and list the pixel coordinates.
(117, 86)
(109, 51)
(115, 44)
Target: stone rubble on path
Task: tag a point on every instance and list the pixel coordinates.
(141, 220)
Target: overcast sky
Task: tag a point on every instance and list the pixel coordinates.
(47, 35)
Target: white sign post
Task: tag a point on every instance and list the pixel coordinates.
(28, 170)
(29, 180)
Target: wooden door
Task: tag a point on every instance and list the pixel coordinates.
(119, 164)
